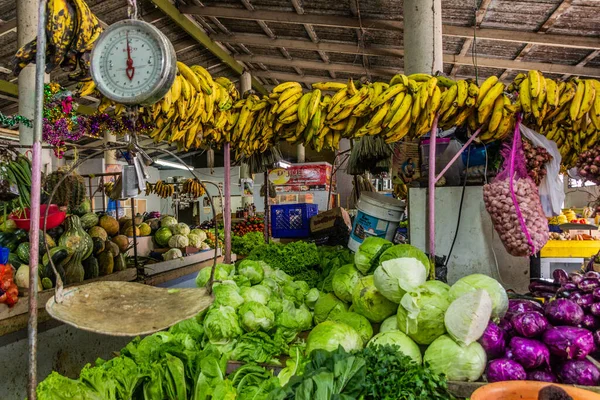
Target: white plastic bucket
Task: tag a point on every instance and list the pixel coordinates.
(378, 215)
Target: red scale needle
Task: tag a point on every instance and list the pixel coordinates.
(130, 70)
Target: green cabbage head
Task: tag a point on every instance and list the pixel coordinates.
(200, 233)
(367, 255)
(194, 240)
(227, 293)
(168, 221)
(473, 282)
(252, 270)
(356, 321)
(330, 335)
(328, 305)
(458, 363)
(421, 313)
(344, 281)
(368, 302)
(402, 268)
(390, 324)
(221, 324)
(257, 293)
(162, 236)
(256, 317)
(223, 272)
(406, 344)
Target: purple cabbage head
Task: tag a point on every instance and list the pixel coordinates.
(530, 353)
(521, 306)
(590, 322)
(541, 375)
(579, 372)
(529, 324)
(583, 300)
(563, 312)
(588, 284)
(569, 342)
(595, 309)
(506, 326)
(596, 294)
(504, 369)
(493, 341)
(597, 338)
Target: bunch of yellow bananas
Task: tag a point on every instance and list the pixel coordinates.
(193, 188)
(163, 189)
(567, 113)
(71, 29)
(195, 111)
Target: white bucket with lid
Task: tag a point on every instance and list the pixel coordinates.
(378, 215)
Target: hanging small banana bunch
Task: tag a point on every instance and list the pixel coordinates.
(163, 189)
(149, 190)
(193, 188)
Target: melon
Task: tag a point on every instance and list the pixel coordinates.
(110, 225)
(111, 247)
(98, 232)
(145, 229)
(129, 231)
(89, 220)
(122, 241)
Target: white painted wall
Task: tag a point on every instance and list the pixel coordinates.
(476, 238)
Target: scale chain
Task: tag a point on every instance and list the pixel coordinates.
(132, 9)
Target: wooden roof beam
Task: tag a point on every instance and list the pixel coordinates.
(552, 18)
(382, 24)
(199, 35)
(312, 34)
(479, 16)
(284, 76)
(448, 59)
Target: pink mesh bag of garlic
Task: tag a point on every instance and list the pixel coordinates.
(513, 202)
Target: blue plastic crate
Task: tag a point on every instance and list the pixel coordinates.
(292, 220)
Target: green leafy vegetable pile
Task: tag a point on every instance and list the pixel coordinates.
(243, 245)
(294, 258)
(377, 372)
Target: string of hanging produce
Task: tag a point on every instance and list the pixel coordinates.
(200, 111)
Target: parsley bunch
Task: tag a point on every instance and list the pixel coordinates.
(392, 376)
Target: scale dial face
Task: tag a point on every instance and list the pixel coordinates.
(133, 63)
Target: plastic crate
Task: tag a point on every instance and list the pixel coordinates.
(292, 220)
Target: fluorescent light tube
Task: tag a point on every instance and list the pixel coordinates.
(174, 165)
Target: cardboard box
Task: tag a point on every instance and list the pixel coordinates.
(331, 227)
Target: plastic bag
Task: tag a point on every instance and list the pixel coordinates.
(513, 202)
(552, 190)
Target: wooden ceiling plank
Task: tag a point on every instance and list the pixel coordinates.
(547, 24)
(330, 47)
(514, 36)
(263, 25)
(8, 26)
(284, 76)
(479, 17)
(199, 35)
(312, 34)
(448, 59)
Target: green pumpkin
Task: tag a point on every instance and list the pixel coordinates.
(106, 263)
(91, 268)
(74, 272)
(89, 220)
(120, 263)
(75, 238)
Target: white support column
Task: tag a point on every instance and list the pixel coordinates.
(423, 52)
(300, 153)
(27, 18)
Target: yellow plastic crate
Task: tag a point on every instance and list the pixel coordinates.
(570, 248)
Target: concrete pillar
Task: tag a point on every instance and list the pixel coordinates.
(300, 153)
(27, 17)
(110, 156)
(423, 52)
